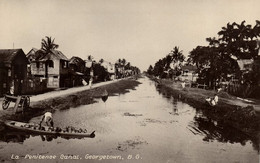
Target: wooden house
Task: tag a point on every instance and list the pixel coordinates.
(77, 71)
(189, 73)
(52, 66)
(13, 70)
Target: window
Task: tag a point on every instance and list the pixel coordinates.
(37, 64)
(64, 64)
(50, 63)
(41, 65)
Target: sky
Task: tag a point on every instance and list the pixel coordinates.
(141, 31)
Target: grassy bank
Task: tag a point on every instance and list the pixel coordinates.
(242, 117)
(69, 101)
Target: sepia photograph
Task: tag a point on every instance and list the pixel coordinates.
(130, 81)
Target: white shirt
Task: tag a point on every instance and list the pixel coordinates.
(216, 99)
(47, 115)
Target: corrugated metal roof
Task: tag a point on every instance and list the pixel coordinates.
(59, 54)
(39, 55)
(7, 55)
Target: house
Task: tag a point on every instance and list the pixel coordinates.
(77, 70)
(189, 72)
(52, 66)
(13, 70)
(245, 64)
(77, 64)
(110, 68)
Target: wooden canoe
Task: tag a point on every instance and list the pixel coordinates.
(33, 128)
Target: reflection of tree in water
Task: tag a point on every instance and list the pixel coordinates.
(13, 137)
(213, 130)
(165, 92)
(20, 137)
(48, 137)
(210, 129)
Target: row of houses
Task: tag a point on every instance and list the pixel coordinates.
(189, 72)
(36, 71)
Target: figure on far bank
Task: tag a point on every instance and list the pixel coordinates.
(212, 101)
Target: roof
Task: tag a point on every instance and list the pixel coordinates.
(7, 55)
(76, 60)
(32, 51)
(189, 67)
(242, 63)
(40, 55)
(59, 54)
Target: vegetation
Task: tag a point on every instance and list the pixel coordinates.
(218, 62)
(48, 45)
(169, 66)
(123, 68)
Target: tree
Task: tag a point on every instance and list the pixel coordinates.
(240, 40)
(48, 45)
(169, 65)
(101, 60)
(150, 70)
(219, 59)
(177, 55)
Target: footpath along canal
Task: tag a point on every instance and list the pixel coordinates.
(143, 125)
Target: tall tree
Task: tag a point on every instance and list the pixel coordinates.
(239, 40)
(48, 45)
(150, 70)
(219, 58)
(177, 55)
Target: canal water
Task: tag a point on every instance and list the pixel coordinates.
(143, 125)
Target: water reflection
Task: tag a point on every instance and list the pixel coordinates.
(13, 136)
(204, 125)
(212, 130)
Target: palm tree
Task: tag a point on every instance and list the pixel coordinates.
(48, 45)
(177, 55)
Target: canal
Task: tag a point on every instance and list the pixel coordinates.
(143, 125)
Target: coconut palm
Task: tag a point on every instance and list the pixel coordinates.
(177, 55)
(48, 45)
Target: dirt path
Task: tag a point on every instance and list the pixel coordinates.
(58, 93)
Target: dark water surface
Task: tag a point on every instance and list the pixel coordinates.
(146, 124)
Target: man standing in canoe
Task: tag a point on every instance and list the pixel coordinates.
(47, 118)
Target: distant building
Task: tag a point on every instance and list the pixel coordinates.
(110, 68)
(189, 72)
(13, 70)
(77, 64)
(77, 70)
(245, 64)
(52, 66)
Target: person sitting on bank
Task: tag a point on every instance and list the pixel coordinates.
(47, 119)
(183, 84)
(212, 101)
